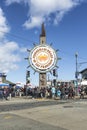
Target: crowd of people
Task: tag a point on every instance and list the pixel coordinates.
(4, 93)
(62, 92)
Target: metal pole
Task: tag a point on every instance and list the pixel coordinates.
(76, 74)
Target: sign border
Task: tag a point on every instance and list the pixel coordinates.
(36, 68)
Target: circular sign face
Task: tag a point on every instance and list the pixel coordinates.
(42, 58)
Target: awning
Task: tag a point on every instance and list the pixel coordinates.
(4, 85)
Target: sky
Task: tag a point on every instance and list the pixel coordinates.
(20, 26)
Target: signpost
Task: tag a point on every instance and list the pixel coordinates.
(42, 58)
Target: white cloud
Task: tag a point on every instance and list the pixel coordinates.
(8, 2)
(41, 11)
(10, 52)
(4, 28)
(33, 22)
(8, 57)
(23, 50)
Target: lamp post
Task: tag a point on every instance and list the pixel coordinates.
(76, 73)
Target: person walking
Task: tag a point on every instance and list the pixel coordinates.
(53, 90)
(82, 92)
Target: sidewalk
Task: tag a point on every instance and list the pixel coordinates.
(24, 99)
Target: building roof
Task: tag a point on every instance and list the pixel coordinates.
(83, 71)
(4, 80)
(9, 82)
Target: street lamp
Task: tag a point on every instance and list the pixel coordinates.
(76, 73)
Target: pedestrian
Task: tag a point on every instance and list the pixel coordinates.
(82, 93)
(58, 93)
(53, 90)
(6, 93)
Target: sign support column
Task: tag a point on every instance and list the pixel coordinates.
(42, 76)
(42, 58)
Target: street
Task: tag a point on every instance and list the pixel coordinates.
(44, 115)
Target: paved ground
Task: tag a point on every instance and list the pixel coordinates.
(16, 122)
(26, 99)
(69, 116)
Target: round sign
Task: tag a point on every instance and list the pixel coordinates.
(42, 58)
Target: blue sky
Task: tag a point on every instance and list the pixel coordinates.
(20, 26)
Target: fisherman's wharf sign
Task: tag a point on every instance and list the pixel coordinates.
(42, 58)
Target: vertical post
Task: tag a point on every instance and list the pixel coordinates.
(42, 76)
(76, 73)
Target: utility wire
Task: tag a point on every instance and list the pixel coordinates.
(16, 36)
(71, 55)
(28, 40)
